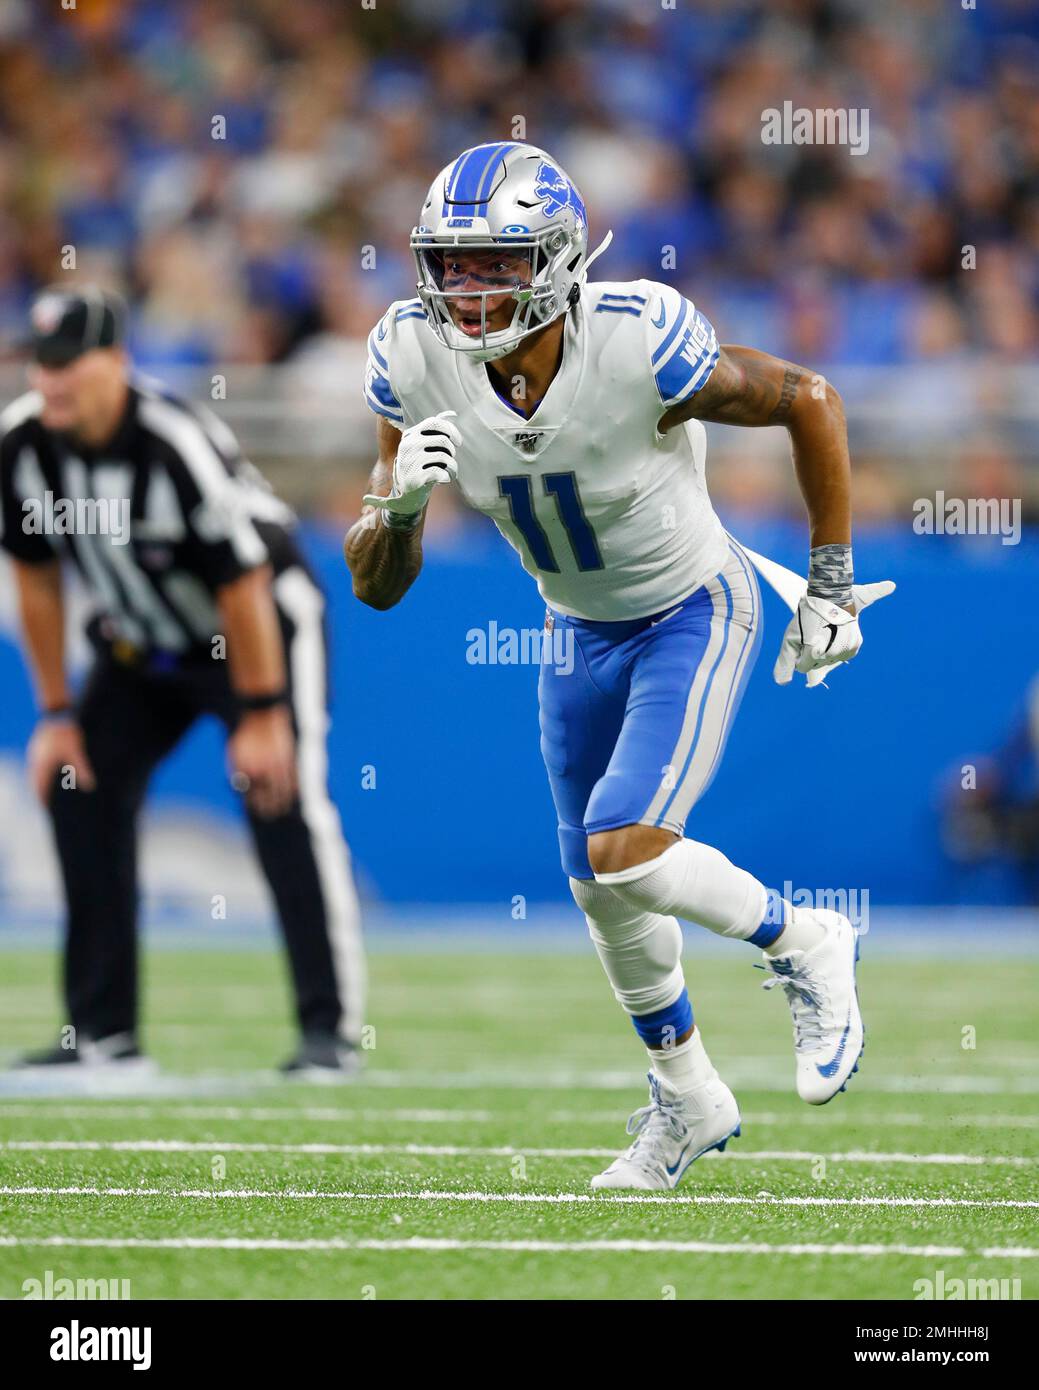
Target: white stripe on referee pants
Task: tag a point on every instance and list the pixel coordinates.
(304, 604)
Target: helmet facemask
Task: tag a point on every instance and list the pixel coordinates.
(460, 276)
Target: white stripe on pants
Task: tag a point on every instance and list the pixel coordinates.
(710, 707)
(304, 604)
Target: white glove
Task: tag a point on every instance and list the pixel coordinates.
(425, 457)
(821, 635)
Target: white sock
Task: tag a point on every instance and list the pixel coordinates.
(697, 882)
(682, 1068)
(640, 951)
(801, 932)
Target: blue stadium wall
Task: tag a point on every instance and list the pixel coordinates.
(828, 788)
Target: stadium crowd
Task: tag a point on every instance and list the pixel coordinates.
(247, 173)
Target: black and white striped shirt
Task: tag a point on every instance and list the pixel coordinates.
(156, 521)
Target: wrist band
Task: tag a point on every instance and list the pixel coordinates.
(830, 573)
(396, 521)
(254, 704)
(57, 712)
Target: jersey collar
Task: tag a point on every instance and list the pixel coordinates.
(529, 437)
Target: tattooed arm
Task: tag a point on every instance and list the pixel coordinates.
(752, 388)
(384, 561)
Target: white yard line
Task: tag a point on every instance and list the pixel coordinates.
(488, 1151)
(750, 1078)
(17, 1086)
(872, 1156)
(552, 1199)
(890, 1120)
(46, 1109)
(435, 1244)
(260, 1114)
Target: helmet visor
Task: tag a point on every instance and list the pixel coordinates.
(478, 287)
(480, 269)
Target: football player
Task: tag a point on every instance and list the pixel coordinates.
(571, 413)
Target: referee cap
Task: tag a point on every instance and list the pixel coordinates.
(66, 323)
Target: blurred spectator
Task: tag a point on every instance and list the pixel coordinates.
(247, 174)
(991, 806)
(219, 135)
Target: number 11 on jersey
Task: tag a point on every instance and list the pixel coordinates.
(519, 491)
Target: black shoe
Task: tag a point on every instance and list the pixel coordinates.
(49, 1057)
(120, 1049)
(322, 1058)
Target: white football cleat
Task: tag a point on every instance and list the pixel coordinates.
(819, 985)
(671, 1131)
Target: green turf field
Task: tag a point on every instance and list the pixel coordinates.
(497, 1085)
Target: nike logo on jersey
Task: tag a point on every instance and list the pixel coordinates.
(659, 323)
(664, 619)
(831, 1066)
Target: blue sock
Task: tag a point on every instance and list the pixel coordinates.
(663, 1028)
(773, 923)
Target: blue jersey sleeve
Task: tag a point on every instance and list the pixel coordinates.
(682, 343)
(378, 389)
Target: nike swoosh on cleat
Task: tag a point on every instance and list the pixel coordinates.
(719, 1145)
(831, 1066)
(659, 323)
(671, 1171)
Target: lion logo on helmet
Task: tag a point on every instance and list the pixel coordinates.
(555, 192)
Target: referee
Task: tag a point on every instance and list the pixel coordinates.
(203, 605)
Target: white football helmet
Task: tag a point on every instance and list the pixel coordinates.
(518, 227)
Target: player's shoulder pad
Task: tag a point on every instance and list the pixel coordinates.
(615, 311)
(681, 343)
(618, 299)
(396, 360)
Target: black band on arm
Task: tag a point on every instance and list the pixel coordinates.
(253, 704)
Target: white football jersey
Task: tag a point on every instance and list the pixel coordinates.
(611, 518)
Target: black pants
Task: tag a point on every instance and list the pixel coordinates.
(132, 716)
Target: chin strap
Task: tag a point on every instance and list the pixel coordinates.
(594, 256)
